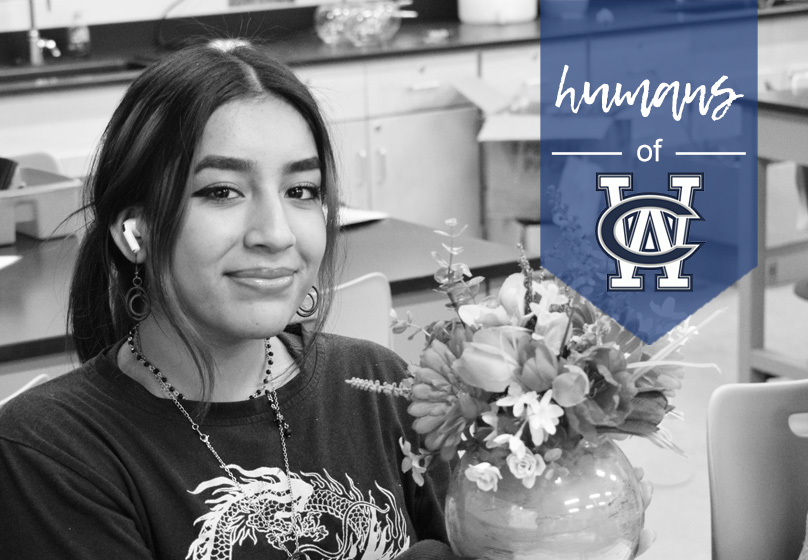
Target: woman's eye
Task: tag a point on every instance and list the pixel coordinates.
(218, 192)
(304, 192)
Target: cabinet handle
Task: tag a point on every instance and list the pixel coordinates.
(425, 86)
(362, 156)
(381, 159)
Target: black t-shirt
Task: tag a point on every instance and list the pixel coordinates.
(92, 465)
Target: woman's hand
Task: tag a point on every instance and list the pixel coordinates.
(647, 537)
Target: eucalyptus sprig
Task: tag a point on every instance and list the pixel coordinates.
(451, 275)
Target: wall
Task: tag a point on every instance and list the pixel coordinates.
(15, 16)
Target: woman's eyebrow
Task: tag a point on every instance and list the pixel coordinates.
(225, 163)
(308, 164)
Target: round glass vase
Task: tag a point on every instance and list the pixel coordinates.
(590, 508)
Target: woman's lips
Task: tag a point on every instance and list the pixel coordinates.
(263, 279)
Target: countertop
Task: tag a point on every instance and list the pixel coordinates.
(33, 298)
(784, 101)
(303, 47)
(295, 49)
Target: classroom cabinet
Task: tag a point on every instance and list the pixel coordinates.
(421, 167)
(515, 71)
(424, 167)
(66, 124)
(510, 182)
(412, 152)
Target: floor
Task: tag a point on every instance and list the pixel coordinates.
(680, 510)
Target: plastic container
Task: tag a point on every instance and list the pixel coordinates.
(361, 23)
(499, 12)
(78, 37)
(40, 208)
(330, 21)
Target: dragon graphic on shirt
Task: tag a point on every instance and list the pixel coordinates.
(258, 507)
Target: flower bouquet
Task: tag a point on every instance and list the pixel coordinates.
(527, 386)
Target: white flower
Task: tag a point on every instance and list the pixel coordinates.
(512, 294)
(543, 418)
(485, 475)
(526, 468)
(551, 326)
(491, 418)
(486, 314)
(519, 400)
(550, 294)
(413, 461)
(514, 442)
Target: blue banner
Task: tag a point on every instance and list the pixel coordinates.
(649, 153)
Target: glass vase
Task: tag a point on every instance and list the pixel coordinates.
(589, 508)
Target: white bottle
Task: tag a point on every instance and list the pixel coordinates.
(78, 36)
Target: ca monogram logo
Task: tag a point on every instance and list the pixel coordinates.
(648, 231)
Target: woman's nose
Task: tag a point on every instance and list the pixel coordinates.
(269, 226)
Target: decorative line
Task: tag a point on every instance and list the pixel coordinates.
(587, 153)
(710, 153)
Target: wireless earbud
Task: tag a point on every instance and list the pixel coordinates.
(129, 233)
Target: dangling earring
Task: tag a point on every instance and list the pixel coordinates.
(137, 300)
(314, 296)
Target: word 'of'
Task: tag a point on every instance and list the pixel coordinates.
(663, 89)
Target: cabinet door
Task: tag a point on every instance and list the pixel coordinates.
(425, 167)
(66, 124)
(353, 168)
(782, 48)
(418, 83)
(338, 88)
(515, 71)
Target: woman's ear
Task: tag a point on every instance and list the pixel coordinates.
(127, 232)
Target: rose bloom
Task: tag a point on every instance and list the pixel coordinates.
(485, 475)
(512, 294)
(526, 468)
(491, 360)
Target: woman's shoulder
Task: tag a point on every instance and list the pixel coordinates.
(360, 358)
(356, 348)
(49, 405)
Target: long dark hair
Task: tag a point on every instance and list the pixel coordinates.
(144, 160)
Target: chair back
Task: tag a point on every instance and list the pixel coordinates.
(41, 378)
(361, 309)
(40, 160)
(758, 469)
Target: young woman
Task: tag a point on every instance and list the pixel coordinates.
(205, 422)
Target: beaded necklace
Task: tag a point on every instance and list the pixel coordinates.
(267, 388)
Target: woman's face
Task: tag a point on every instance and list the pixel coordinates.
(254, 233)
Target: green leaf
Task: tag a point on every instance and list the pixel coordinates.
(440, 260)
(452, 250)
(463, 268)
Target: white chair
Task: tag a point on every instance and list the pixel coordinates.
(39, 160)
(41, 378)
(361, 309)
(758, 468)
